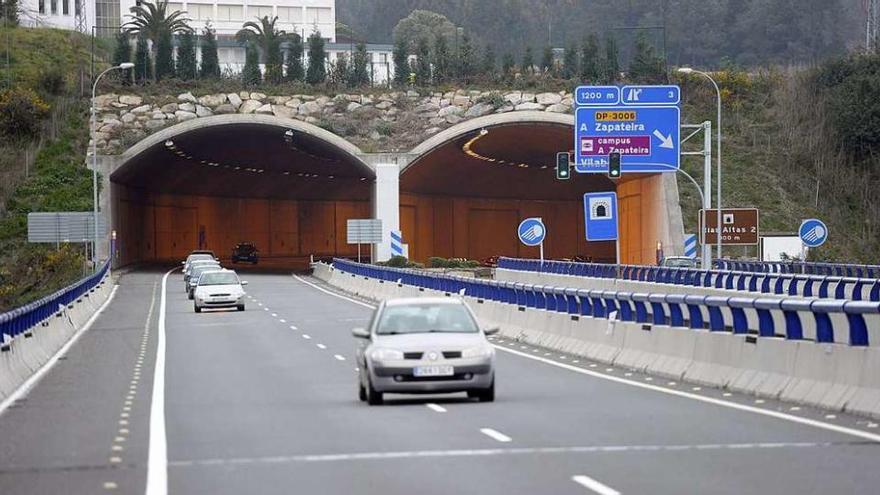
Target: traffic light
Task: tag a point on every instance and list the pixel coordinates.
(563, 171)
(614, 165)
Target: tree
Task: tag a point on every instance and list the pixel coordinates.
(423, 63)
(359, 74)
(9, 12)
(142, 65)
(164, 57)
(528, 61)
(422, 24)
(547, 59)
(122, 54)
(295, 70)
(317, 71)
(611, 65)
(507, 65)
(251, 75)
(187, 69)
(210, 68)
(401, 66)
(442, 60)
(570, 62)
(591, 66)
(157, 25)
(338, 73)
(645, 67)
(266, 35)
(487, 66)
(467, 63)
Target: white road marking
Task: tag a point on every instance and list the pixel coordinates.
(306, 336)
(495, 435)
(733, 405)
(157, 458)
(339, 357)
(274, 315)
(593, 485)
(26, 387)
(718, 402)
(321, 346)
(435, 407)
(265, 309)
(590, 449)
(282, 320)
(293, 327)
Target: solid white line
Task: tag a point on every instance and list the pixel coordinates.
(333, 293)
(339, 357)
(28, 384)
(591, 484)
(157, 458)
(733, 405)
(495, 435)
(435, 407)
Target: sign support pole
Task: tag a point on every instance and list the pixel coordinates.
(542, 253)
(617, 250)
(359, 252)
(707, 194)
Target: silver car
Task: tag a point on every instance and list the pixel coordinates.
(219, 289)
(422, 346)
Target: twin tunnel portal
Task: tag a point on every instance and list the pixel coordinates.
(289, 187)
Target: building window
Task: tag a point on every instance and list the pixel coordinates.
(201, 11)
(230, 12)
(290, 14)
(318, 15)
(107, 17)
(54, 4)
(65, 7)
(260, 11)
(42, 6)
(173, 7)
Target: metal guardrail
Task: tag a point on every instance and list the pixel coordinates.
(794, 319)
(781, 284)
(20, 320)
(802, 267)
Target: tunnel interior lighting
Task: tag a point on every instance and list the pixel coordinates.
(483, 131)
(169, 144)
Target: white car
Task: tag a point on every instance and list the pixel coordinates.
(425, 345)
(219, 289)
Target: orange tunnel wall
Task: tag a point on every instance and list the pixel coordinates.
(167, 227)
(642, 217)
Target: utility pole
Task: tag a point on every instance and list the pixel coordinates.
(872, 13)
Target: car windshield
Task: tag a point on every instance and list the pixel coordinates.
(425, 318)
(218, 278)
(197, 257)
(679, 262)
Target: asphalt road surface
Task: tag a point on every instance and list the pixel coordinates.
(265, 402)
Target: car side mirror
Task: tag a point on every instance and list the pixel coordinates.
(491, 330)
(360, 333)
(244, 282)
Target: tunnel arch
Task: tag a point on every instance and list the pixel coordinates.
(212, 182)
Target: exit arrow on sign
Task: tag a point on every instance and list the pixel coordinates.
(665, 141)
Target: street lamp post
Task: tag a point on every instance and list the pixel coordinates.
(92, 126)
(688, 70)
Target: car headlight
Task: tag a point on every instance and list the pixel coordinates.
(478, 352)
(381, 354)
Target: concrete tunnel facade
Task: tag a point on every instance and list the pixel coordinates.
(289, 187)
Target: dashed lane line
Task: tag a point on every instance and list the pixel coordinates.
(593, 485)
(435, 407)
(495, 435)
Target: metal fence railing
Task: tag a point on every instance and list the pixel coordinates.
(803, 267)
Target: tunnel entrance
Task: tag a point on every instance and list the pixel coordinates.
(467, 189)
(286, 186)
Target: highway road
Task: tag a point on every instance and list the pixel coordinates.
(265, 402)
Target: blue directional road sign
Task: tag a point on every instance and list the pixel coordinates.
(600, 215)
(597, 95)
(650, 95)
(813, 232)
(532, 231)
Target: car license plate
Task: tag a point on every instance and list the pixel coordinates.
(433, 371)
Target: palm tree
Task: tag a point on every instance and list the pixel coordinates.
(153, 21)
(268, 38)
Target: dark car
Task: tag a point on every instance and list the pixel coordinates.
(245, 251)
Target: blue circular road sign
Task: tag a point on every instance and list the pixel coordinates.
(813, 232)
(532, 231)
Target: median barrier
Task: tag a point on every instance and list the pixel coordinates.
(716, 358)
(865, 397)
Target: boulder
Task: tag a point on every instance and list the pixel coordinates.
(170, 108)
(279, 100)
(183, 116)
(131, 100)
(384, 104)
(258, 96)
(453, 119)
(514, 97)
(265, 109)
(351, 107)
(432, 131)
(102, 101)
(244, 95)
(293, 103)
(186, 107)
(283, 111)
(128, 118)
(528, 97)
(141, 109)
(427, 107)
(203, 111)
(437, 121)
(529, 106)
(461, 100)
(224, 109)
(558, 108)
(479, 110)
(450, 110)
(188, 97)
(309, 107)
(155, 124)
(548, 98)
(234, 100)
(116, 104)
(249, 106)
(322, 100)
(156, 115)
(505, 109)
(213, 100)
